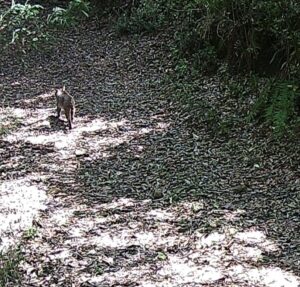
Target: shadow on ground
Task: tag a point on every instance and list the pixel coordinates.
(130, 196)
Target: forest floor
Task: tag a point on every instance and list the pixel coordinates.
(131, 196)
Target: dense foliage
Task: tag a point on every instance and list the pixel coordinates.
(261, 37)
(21, 25)
(250, 36)
(27, 25)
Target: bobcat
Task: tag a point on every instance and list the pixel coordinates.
(66, 102)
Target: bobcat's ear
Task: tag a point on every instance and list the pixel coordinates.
(64, 88)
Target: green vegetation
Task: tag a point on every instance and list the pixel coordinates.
(149, 16)
(25, 26)
(251, 37)
(9, 262)
(63, 17)
(260, 38)
(277, 105)
(132, 172)
(21, 25)
(8, 124)
(30, 233)
(246, 33)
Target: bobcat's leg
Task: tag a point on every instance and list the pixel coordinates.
(68, 116)
(72, 113)
(58, 111)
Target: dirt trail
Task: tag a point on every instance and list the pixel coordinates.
(130, 196)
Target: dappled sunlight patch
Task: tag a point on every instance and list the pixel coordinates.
(9, 121)
(268, 246)
(89, 140)
(246, 253)
(160, 238)
(105, 229)
(77, 231)
(36, 129)
(251, 248)
(99, 124)
(121, 132)
(13, 162)
(124, 203)
(210, 240)
(190, 208)
(146, 238)
(160, 214)
(42, 98)
(94, 245)
(113, 240)
(257, 237)
(104, 142)
(234, 215)
(129, 276)
(38, 118)
(162, 126)
(117, 124)
(61, 216)
(215, 256)
(32, 120)
(7, 114)
(94, 241)
(251, 236)
(267, 277)
(45, 139)
(20, 202)
(60, 254)
(144, 131)
(120, 236)
(87, 226)
(207, 264)
(182, 271)
(197, 207)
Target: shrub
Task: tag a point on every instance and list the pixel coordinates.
(277, 106)
(24, 25)
(76, 10)
(9, 263)
(20, 25)
(263, 36)
(247, 33)
(147, 16)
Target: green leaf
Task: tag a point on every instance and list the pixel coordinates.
(162, 256)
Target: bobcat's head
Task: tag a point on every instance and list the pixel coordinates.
(60, 92)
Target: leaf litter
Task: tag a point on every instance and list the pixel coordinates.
(135, 197)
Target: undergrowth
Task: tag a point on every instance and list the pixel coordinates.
(9, 264)
(63, 17)
(26, 26)
(8, 124)
(277, 105)
(257, 37)
(147, 17)
(251, 37)
(21, 26)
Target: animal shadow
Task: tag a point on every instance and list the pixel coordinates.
(56, 123)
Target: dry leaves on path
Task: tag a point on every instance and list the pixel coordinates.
(133, 197)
